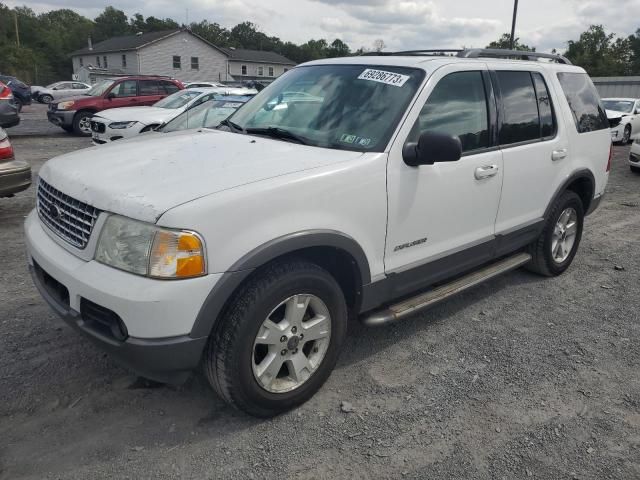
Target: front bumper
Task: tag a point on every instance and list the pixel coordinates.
(15, 176)
(617, 132)
(101, 133)
(61, 118)
(634, 159)
(157, 315)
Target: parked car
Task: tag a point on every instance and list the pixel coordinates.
(9, 116)
(21, 91)
(120, 123)
(74, 114)
(15, 175)
(58, 91)
(205, 115)
(198, 84)
(248, 248)
(624, 118)
(634, 156)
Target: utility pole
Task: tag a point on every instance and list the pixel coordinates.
(15, 22)
(513, 24)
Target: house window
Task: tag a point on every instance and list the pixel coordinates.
(271, 71)
(104, 60)
(81, 62)
(176, 62)
(243, 69)
(195, 63)
(98, 61)
(124, 61)
(260, 71)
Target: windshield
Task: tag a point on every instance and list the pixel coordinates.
(178, 99)
(350, 107)
(618, 105)
(99, 88)
(206, 115)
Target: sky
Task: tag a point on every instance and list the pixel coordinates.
(401, 24)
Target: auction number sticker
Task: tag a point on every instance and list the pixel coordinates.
(380, 76)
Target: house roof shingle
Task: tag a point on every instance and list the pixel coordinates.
(128, 42)
(242, 55)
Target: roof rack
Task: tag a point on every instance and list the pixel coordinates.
(478, 53)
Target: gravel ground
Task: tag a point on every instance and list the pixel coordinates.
(523, 377)
(33, 122)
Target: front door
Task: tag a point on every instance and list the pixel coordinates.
(441, 216)
(125, 94)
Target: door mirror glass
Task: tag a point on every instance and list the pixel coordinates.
(111, 95)
(432, 147)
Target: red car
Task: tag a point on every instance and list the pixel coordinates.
(74, 114)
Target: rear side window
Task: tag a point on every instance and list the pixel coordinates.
(520, 121)
(458, 107)
(149, 87)
(545, 107)
(588, 113)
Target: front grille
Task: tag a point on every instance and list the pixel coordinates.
(69, 218)
(98, 127)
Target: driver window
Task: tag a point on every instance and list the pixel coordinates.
(457, 106)
(128, 88)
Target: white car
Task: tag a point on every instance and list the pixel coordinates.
(624, 117)
(126, 122)
(634, 156)
(393, 185)
(58, 90)
(198, 84)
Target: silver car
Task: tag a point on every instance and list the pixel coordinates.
(58, 90)
(9, 115)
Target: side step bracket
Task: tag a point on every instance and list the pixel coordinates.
(405, 308)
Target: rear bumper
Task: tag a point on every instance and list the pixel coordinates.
(9, 119)
(61, 118)
(15, 176)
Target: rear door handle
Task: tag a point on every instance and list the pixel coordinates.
(486, 171)
(559, 154)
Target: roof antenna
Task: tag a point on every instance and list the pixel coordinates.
(513, 24)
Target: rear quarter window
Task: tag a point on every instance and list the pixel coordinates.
(588, 113)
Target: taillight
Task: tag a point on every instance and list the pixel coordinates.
(610, 158)
(5, 92)
(6, 150)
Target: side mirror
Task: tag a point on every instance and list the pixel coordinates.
(432, 147)
(111, 95)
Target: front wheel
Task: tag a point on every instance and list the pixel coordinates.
(279, 340)
(82, 123)
(555, 248)
(635, 169)
(626, 136)
(46, 98)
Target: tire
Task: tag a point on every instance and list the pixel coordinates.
(232, 354)
(67, 128)
(635, 170)
(626, 136)
(46, 98)
(18, 103)
(80, 125)
(543, 261)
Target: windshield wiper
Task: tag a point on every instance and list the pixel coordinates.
(279, 133)
(234, 127)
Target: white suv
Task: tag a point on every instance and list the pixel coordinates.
(368, 187)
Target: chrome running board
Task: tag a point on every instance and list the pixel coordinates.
(412, 305)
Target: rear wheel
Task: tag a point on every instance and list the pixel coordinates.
(626, 136)
(82, 123)
(279, 340)
(18, 103)
(555, 248)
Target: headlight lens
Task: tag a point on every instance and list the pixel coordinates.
(65, 105)
(145, 249)
(121, 125)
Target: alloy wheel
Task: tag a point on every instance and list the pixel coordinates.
(564, 235)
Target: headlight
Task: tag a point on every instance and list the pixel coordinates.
(65, 105)
(145, 249)
(121, 125)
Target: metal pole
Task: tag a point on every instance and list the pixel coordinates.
(513, 24)
(15, 21)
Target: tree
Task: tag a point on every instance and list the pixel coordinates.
(599, 54)
(504, 43)
(378, 45)
(111, 23)
(211, 32)
(338, 49)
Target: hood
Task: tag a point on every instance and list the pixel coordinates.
(82, 99)
(616, 114)
(145, 115)
(144, 177)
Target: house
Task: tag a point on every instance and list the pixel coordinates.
(256, 64)
(177, 53)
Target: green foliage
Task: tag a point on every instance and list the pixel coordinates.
(601, 54)
(504, 42)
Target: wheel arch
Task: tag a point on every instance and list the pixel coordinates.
(583, 183)
(335, 251)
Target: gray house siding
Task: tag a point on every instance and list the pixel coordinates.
(157, 59)
(235, 69)
(625, 87)
(114, 61)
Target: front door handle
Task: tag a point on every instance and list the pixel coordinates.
(559, 154)
(486, 171)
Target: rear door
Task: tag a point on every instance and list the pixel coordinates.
(150, 92)
(534, 146)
